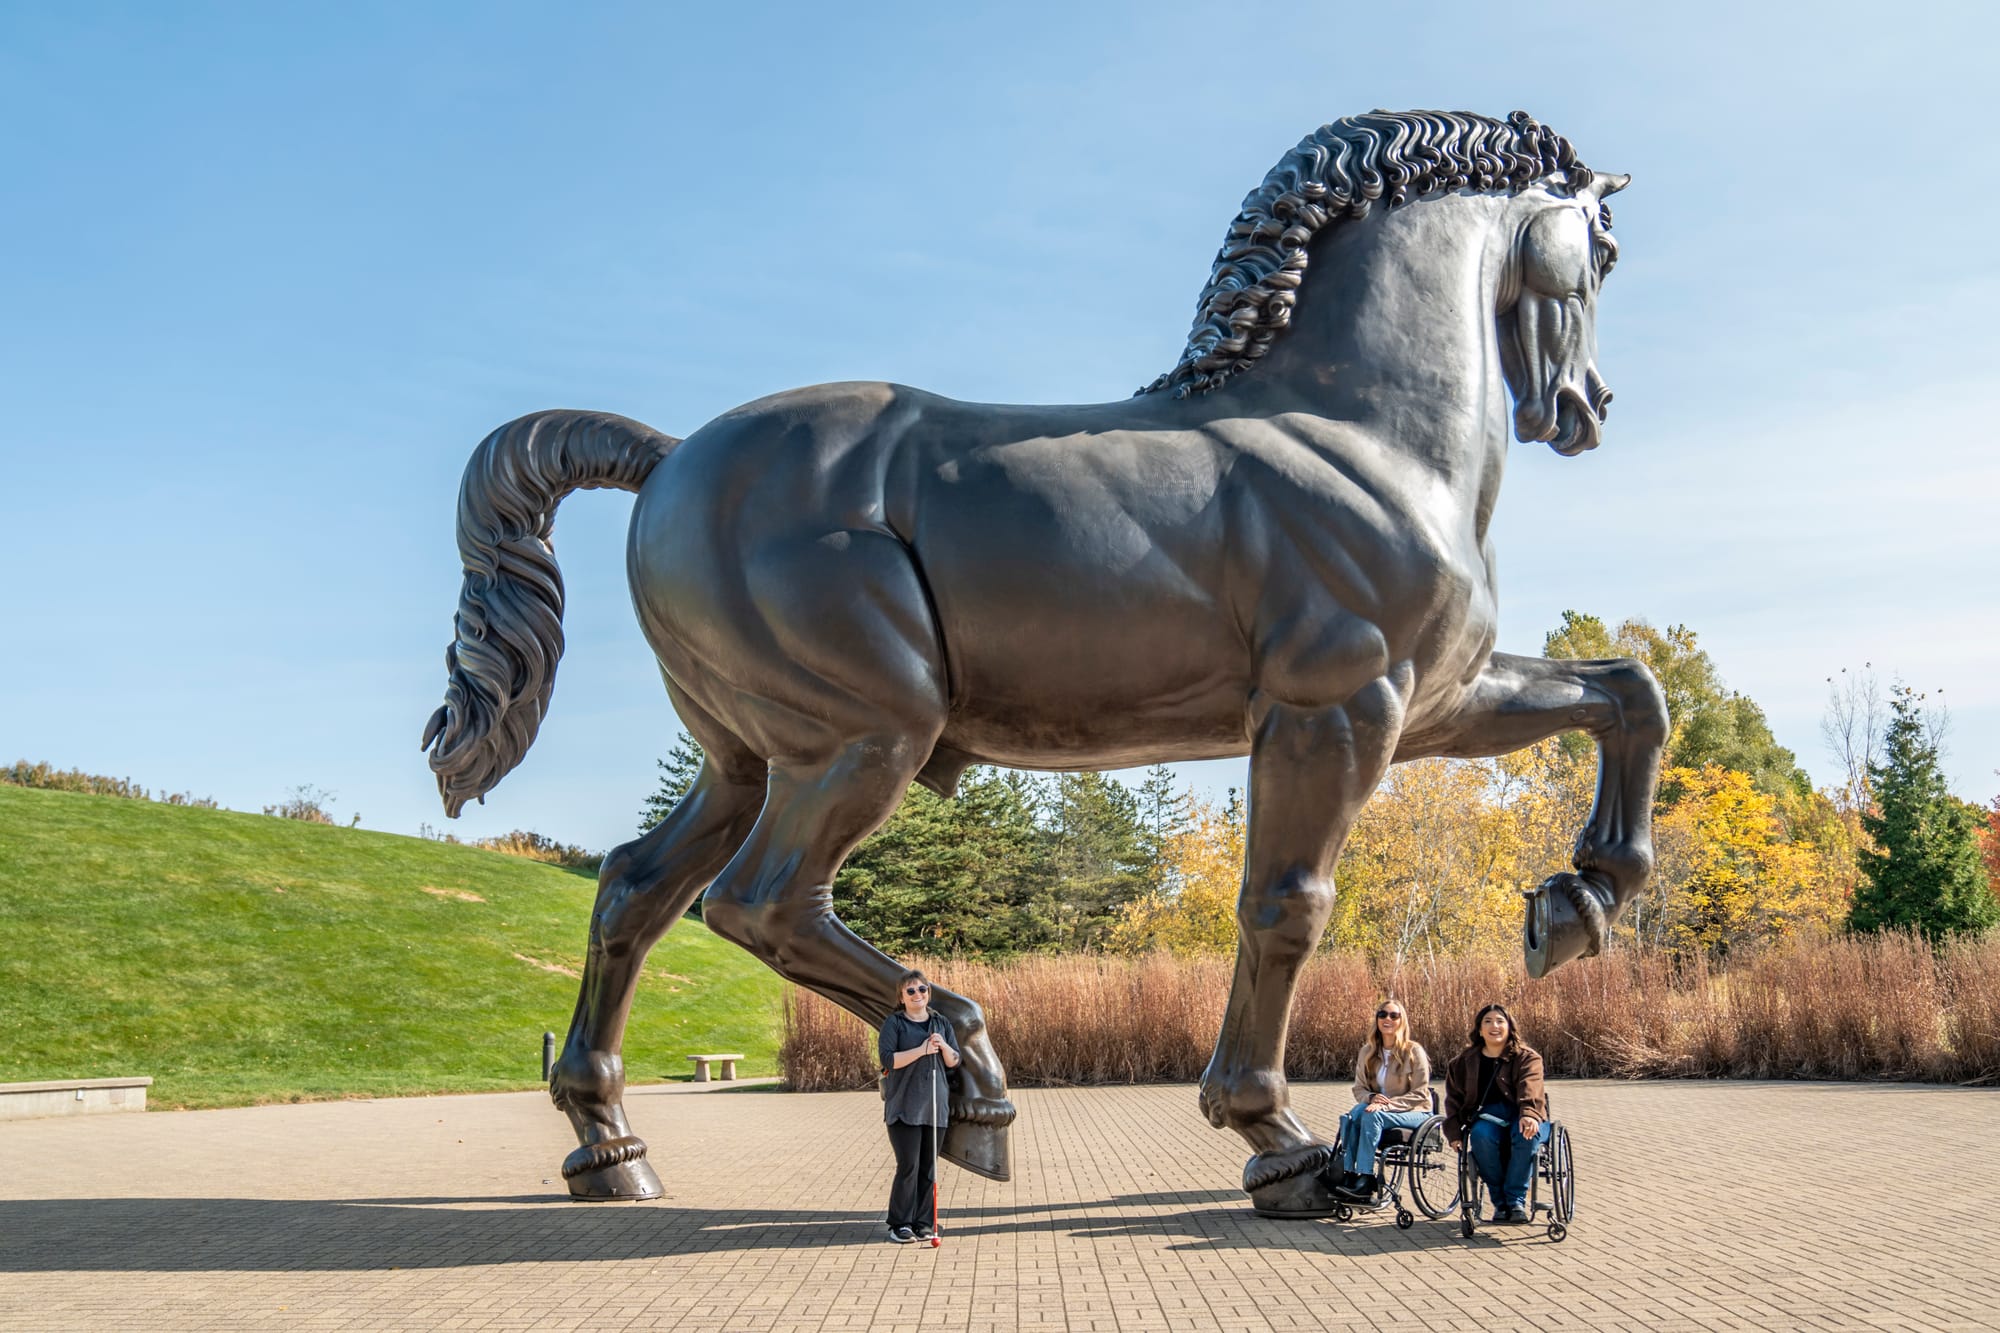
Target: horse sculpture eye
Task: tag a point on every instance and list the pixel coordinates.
(1556, 252)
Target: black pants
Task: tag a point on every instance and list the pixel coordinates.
(916, 1169)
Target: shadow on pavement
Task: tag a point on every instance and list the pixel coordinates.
(269, 1235)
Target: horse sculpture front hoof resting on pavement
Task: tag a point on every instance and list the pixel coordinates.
(1278, 548)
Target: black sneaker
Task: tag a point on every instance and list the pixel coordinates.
(1516, 1214)
(924, 1233)
(902, 1235)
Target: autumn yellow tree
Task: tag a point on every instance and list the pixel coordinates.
(1727, 874)
(1430, 867)
(1196, 910)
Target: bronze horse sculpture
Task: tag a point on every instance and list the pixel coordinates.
(1278, 548)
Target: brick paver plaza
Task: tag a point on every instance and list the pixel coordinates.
(1701, 1205)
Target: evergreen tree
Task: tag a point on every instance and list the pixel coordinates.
(1924, 872)
(1166, 811)
(947, 876)
(677, 773)
(1098, 854)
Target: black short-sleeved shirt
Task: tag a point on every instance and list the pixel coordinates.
(906, 1096)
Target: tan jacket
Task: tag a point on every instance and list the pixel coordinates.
(1409, 1078)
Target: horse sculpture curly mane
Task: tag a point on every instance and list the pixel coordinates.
(1339, 171)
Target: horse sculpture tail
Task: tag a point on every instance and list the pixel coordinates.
(502, 662)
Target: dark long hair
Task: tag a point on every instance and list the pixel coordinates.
(1513, 1033)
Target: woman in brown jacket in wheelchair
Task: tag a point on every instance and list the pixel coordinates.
(1494, 1103)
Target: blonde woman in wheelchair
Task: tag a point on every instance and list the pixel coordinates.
(1392, 1090)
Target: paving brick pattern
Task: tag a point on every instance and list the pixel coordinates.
(1701, 1206)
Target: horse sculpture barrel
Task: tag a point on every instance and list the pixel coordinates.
(1278, 548)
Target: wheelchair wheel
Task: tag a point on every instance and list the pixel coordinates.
(1562, 1183)
(1470, 1195)
(1430, 1165)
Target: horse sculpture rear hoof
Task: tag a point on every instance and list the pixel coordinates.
(615, 1169)
(980, 1145)
(1563, 922)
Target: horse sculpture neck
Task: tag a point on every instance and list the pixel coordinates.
(1396, 335)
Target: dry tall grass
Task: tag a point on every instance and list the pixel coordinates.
(1852, 1007)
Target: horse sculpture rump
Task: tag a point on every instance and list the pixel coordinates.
(1279, 548)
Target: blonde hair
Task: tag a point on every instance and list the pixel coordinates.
(1377, 1049)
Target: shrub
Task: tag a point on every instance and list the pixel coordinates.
(21, 773)
(306, 802)
(535, 847)
(24, 774)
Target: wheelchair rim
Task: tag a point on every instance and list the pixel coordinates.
(1432, 1171)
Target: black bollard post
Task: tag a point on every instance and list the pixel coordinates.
(548, 1055)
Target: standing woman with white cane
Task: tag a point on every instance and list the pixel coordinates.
(916, 1047)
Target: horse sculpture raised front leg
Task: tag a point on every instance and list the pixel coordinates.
(1310, 774)
(1518, 701)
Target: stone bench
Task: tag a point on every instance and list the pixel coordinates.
(72, 1096)
(727, 1074)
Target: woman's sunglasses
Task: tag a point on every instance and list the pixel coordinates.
(916, 990)
(1388, 1013)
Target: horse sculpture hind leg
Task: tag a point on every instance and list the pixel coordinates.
(1517, 701)
(775, 900)
(851, 712)
(643, 888)
(1310, 774)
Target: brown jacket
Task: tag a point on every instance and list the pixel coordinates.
(1517, 1082)
(1409, 1079)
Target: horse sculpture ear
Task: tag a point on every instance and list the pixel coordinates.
(1608, 184)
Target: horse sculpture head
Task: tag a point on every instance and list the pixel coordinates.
(1548, 318)
(1343, 171)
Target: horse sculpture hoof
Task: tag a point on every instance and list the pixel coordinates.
(979, 1147)
(1288, 1184)
(1563, 922)
(613, 1169)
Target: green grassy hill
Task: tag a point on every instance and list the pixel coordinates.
(240, 958)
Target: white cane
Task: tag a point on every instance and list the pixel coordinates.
(936, 1074)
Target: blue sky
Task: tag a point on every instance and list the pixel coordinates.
(273, 271)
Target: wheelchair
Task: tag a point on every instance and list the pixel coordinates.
(1418, 1158)
(1555, 1171)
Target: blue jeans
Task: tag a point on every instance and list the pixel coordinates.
(1506, 1161)
(1361, 1134)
